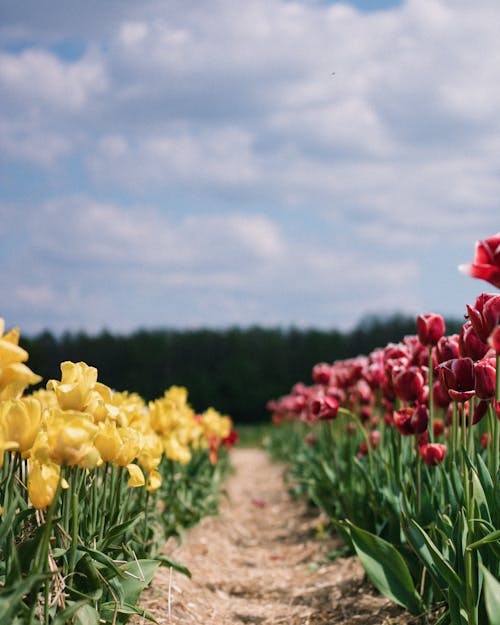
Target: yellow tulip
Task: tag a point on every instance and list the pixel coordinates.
(136, 476)
(152, 449)
(42, 483)
(70, 436)
(77, 381)
(131, 446)
(20, 373)
(153, 482)
(20, 421)
(108, 441)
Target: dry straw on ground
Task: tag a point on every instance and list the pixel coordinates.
(261, 562)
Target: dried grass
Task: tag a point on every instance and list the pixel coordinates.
(260, 562)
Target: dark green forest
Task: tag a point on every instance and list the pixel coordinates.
(236, 370)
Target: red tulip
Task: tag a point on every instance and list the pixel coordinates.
(486, 265)
(322, 407)
(408, 383)
(440, 395)
(457, 377)
(411, 420)
(469, 343)
(321, 373)
(437, 427)
(485, 314)
(432, 453)
(479, 411)
(485, 378)
(447, 348)
(430, 328)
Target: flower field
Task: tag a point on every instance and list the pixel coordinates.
(400, 448)
(92, 483)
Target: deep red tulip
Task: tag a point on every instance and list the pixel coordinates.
(411, 420)
(408, 383)
(485, 378)
(469, 343)
(432, 453)
(479, 411)
(457, 377)
(438, 427)
(321, 373)
(322, 407)
(486, 265)
(447, 348)
(440, 395)
(485, 314)
(430, 328)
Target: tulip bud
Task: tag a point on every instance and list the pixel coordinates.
(408, 383)
(447, 348)
(430, 328)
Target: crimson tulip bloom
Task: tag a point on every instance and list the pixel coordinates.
(408, 383)
(411, 420)
(432, 453)
(485, 378)
(447, 348)
(322, 407)
(486, 265)
(321, 373)
(430, 328)
(440, 395)
(457, 377)
(485, 314)
(469, 343)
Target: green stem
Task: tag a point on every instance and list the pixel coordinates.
(430, 376)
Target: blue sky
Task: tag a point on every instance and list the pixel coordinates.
(182, 163)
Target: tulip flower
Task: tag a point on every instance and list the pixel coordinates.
(73, 392)
(70, 436)
(321, 373)
(411, 420)
(469, 343)
(485, 314)
(432, 453)
(430, 328)
(408, 383)
(42, 483)
(457, 377)
(322, 407)
(485, 378)
(447, 348)
(486, 265)
(136, 476)
(153, 481)
(20, 421)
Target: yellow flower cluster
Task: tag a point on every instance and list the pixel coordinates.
(78, 421)
(175, 422)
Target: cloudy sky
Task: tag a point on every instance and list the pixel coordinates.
(191, 163)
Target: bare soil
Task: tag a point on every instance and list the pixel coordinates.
(265, 560)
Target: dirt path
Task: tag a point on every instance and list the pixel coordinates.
(260, 561)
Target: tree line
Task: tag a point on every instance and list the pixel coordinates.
(236, 370)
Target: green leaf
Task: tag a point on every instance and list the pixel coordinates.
(109, 609)
(386, 568)
(117, 532)
(480, 497)
(103, 559)
(86, 615)
(138, 575)
(432, 557)
(492, 596)
(165, 561)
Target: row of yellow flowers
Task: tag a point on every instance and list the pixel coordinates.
(80, 421)
(79, 435)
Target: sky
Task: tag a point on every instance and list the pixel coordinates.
(185, 164)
